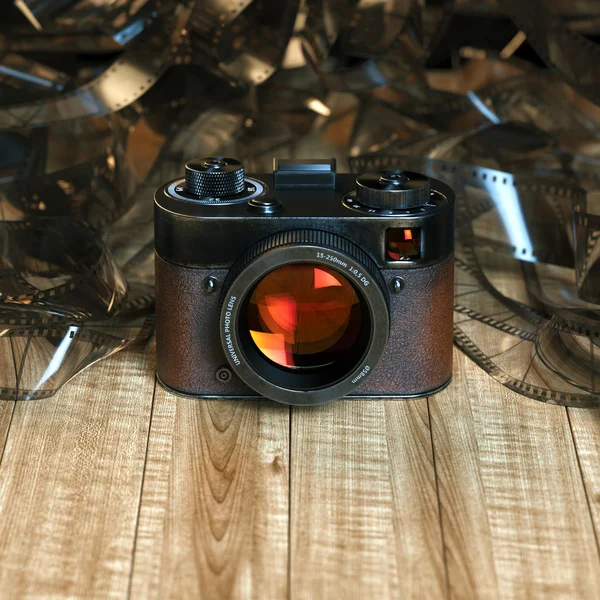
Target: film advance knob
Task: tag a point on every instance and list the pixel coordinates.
(393, 189)
(214, 176)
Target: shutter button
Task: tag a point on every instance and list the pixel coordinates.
(264, 204)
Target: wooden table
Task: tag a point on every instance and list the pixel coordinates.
(115, 488)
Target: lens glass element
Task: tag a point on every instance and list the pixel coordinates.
(304, 316)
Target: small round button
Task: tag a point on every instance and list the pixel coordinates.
(264, 204)
(391, 178)
(214, 162)
(264, 201)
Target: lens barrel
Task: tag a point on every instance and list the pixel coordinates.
(304, 317)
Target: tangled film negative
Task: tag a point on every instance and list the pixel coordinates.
(101, 102)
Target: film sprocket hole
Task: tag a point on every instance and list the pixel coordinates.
(306, 262)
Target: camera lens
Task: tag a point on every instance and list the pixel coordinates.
(305, 316)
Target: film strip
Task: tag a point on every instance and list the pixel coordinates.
(529, 96)
(521, 312)
(57, 271)
(89, 192)
(45, 358)
(570, 53)
(129, 77)
(64, 304)
(23, 79)
(87, 180)
(365, 34)
(214, 31)
(91, 27)
(59, 16)
(363, 45)
(243, 42)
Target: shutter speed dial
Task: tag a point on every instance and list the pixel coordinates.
(393, 189)
(214, 176)
(216, 181)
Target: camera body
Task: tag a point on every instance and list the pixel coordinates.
(303, 285)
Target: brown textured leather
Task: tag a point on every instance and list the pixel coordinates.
(188, 346)
(418, 357)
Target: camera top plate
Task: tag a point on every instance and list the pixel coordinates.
(213, 232)
(326, 202)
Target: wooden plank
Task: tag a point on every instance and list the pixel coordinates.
(70, 483)
(8, 380)
(514, 513)
(467, 534)
(585, 428)
(364, 511)
(214, 512)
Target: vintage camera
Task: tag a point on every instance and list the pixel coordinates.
(303, 285)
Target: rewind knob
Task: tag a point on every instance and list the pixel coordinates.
(393, 189)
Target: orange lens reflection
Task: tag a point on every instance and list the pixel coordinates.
(304, 315)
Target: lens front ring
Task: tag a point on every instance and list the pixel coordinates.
(284, 385)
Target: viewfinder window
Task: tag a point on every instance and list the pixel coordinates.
(403, 243)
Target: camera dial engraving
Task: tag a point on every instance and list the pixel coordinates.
(435, 202)
(253, 188)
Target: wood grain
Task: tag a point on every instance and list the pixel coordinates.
(467, 534)
(70, 483)
(514, 511)
(364, 513)
(585, 428)
(475, 493)
(8, 380)
(214, 513)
